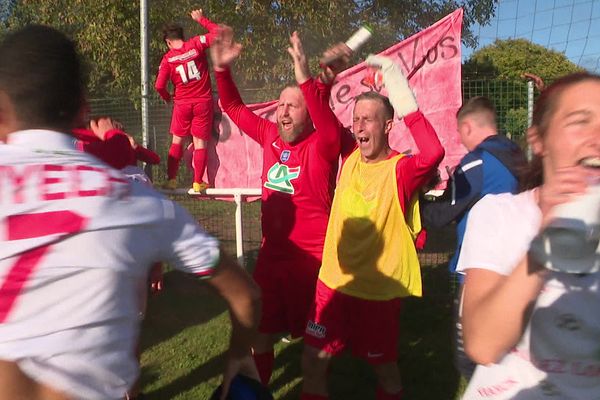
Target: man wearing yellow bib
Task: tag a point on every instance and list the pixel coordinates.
(369, 257)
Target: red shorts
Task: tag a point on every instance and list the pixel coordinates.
(193, 118)
(287, 287)
(369, 328)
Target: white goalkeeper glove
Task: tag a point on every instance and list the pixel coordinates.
(401, 96)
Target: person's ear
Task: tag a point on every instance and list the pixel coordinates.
(534, 140)
(8, 117)
(389, 123)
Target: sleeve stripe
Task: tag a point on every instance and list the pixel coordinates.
(470, 165)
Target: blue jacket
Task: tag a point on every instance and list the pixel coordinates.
(490, 168)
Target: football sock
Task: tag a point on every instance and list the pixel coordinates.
(175, 154)
(199, 164)
(264, 365)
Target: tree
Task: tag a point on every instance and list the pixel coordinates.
(508, 59)
(108, 31)
(501, 65)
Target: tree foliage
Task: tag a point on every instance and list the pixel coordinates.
(108, 31)
(508, 59)
(501, 65)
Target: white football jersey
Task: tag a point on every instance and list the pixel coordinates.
(77, 240)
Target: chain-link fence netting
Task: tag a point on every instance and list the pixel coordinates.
(510, 99)
(217, 217)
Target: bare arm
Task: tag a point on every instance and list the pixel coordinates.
(224, 51)
(14, 384)
(496, 307)
(326, 123)
(242, 295)
(495, 310)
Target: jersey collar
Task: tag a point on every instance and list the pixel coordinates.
(41, 139)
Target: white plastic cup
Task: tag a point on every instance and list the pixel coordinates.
(571, 241)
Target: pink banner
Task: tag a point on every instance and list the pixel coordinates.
(432, 61)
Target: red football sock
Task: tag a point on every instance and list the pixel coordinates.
(383, 395)
(264, 365)
(175, 154)
(199, 164)
(309, 396)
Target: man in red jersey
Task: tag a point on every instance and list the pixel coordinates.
(300, 160)
(369, 257)
(185, 64)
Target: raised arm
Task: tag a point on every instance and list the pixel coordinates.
(224, 51)
(418, 169)
(210, 26)
(326, 123)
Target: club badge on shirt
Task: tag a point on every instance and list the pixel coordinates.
(285, 155)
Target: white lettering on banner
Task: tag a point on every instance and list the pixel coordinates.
(57, 182)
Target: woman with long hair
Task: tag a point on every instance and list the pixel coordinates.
(535, 331)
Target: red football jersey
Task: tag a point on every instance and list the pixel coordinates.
(187, 68)
(298, 178)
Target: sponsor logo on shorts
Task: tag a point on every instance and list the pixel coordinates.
(279, 178)
(315, 330)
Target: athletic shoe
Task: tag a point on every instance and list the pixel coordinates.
(171, 184)
(198, 187)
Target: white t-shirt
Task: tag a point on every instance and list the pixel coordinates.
(558, 356)
(77, 239)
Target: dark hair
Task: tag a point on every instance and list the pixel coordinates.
(478, 105)
(388, 110)
(42, 75)
(172, 31)
(545, 106)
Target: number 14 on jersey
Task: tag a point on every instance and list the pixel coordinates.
(188, 72)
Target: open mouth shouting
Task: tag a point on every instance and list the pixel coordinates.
(287, 124)
(592, 164)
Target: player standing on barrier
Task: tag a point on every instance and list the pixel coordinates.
(369, 258)
(78, 239)
(300, 162)
(185, 64)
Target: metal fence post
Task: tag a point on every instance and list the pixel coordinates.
(529, 112)
(239, 235)
(145, 77)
